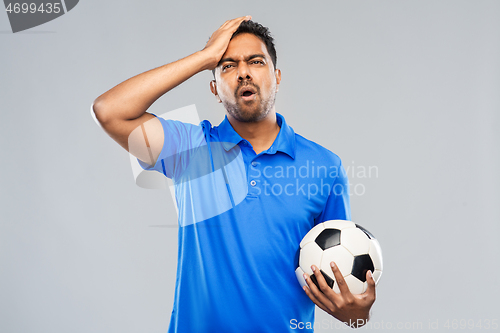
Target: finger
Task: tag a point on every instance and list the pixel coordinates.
(314, 299)
(320, 296)
(234, 21)
(339, 279)
(237, 21)
(245, 18)
(323, 286)
(226, 23)
(369, 294)
(313, 289)
(315, 295)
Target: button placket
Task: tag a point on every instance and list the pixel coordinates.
(252, 176)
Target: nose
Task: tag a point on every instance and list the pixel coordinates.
(244, 72)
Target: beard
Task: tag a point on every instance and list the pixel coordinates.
(251, 111)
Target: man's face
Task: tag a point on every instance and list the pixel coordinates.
(246, 81)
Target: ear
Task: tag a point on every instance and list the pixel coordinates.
(213, 89)
(277, 73)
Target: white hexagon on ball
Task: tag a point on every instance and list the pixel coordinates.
(299, 273)
(355, 240)
(375, 253)
(376, 276)
(356, 287)
(342, 258)
(310, 255)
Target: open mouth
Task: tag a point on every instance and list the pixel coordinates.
(247, 93)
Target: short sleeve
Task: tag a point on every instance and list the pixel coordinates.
(180, 141)
(338, 205)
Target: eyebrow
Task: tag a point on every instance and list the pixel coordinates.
(257, 55)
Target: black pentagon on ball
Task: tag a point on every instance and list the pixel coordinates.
(369, 234)
(329, 280)
(361, 265)
(328, 238)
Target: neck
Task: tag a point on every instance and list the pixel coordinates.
(261, 134)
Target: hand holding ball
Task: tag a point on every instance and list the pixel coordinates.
(353, 249)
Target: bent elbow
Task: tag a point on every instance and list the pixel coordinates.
(98, 108)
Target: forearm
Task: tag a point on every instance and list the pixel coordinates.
(131, 98)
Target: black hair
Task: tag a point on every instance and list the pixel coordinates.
(260, 31)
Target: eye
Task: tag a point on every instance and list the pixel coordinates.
(225, 66)
(258, 61)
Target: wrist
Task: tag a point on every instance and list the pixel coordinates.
(208, 60)
(359, 322)
(356, 322)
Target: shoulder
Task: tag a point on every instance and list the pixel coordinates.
(310, 149)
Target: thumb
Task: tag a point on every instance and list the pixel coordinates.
(370, 290)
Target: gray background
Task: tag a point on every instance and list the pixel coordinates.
(411, 87)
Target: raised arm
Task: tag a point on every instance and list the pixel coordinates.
(121, 111)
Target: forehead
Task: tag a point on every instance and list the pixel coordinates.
(244, 45)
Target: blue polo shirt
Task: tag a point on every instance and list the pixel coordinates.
(241, 218)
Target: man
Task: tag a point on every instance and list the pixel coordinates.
(247, 190)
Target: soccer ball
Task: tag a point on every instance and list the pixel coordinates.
(353, 248)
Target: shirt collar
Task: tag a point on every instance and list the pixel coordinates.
(284, 142)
